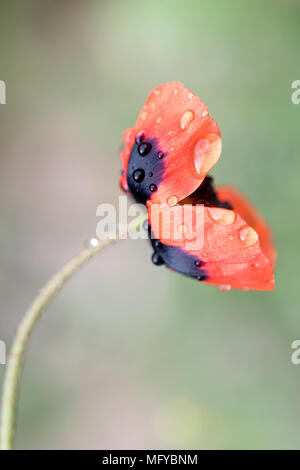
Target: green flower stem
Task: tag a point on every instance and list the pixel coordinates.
(12, 376)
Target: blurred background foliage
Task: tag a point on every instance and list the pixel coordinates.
(131, 355)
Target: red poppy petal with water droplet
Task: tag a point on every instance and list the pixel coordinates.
(220, 238)
(186, 134)
(253, 218)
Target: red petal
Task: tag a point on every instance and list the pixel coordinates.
(253, 218)
(229, 248)
(188, 137)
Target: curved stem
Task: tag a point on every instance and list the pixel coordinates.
(12, 376)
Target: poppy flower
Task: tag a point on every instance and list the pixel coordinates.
(171, 148)
(213, 235)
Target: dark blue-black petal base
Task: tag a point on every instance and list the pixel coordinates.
(145, 168)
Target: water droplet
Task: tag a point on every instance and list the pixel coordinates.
(153, 188)
(190, 96)
(138, 175)
(144, 149)
(159, 119)
(172, 201)
(222, 216)
(171, 149)
(186, 119)
(160, 155)
(204, 113)
(199, 152)
(139, 138)
(224, 287)
(150, 174)
(156, 259)
(199, 263)
(144, 115)
(170, 132)
(230, 237)
(176, 91)
(93, 242)
(182, 228)
(248, 235)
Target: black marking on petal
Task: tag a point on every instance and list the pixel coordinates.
(206, 195)
(144, 158)
(177, 259)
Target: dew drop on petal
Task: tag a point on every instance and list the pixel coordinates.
(224, 287)
(199, 152)
(159, 119)
(248, 235)
(156, 259)
(138, 175)
(204, 113)
(144, 115)
(186, 119)
(222, 216)
(172, 201)
(144, 148)
(153, 188)
(182, 228)
(139, 137)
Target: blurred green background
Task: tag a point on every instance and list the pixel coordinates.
(130, 355)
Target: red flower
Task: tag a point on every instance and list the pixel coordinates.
(166, 159)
